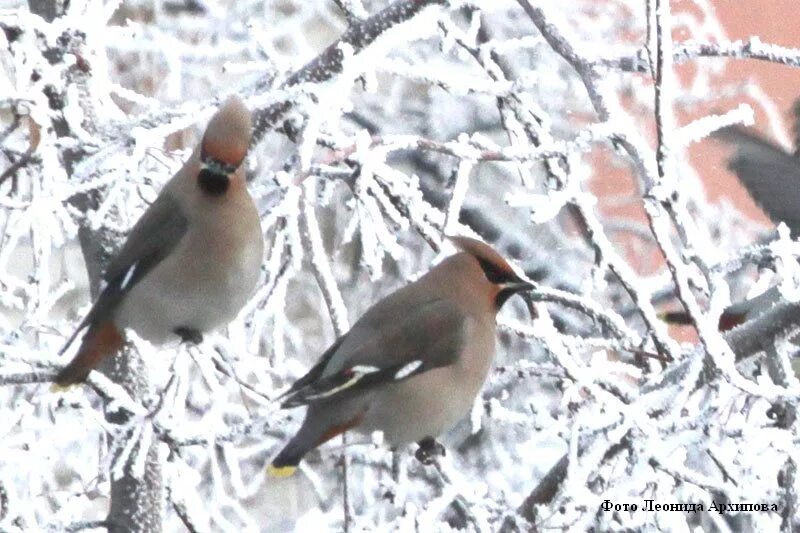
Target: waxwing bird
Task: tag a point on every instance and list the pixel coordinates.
(735, 314)
(769, 173)
(413, 364)
(772, 177)
(190, 262)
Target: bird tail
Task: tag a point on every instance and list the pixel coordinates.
(101, 340)
(312, 434)
(285, 463)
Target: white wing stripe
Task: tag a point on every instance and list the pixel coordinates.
(128, 276)
(406, 370)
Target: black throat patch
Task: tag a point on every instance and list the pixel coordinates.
(503, 296)
(214, 177)
(213, 183)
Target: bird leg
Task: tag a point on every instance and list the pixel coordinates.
(189, 335)
(429, 449)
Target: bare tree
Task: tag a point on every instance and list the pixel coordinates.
(382, 127)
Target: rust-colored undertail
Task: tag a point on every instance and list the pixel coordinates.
(286, 462)
(100, 341)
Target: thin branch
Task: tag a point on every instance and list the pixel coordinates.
(787, 479)
(661, 38)
(607, 318)
(178, 505)
(325, 66)
(545, 491)
(87, 524)
(353, 10)
(588, 75)
(752, 48)
(744, 340)
(312, 241)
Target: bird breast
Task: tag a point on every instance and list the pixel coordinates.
(432, 402)
(201, 285)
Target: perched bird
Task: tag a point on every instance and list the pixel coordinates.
(190, 262)
(769, 173)
(772, 177)
(735, 314)
(413, 363)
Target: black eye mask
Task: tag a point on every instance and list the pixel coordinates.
(495, 274)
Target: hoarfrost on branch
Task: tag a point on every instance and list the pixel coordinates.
(380, 128)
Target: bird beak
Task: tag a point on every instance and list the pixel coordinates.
(517, 286)
(521, 286)
(510, 288)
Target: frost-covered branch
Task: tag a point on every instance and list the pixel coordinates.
(85, 525)
(415, 123)
(752, 48)
(543, 494)
(359, 35)
(312, 241)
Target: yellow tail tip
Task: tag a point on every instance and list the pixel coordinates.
(280, 471)
(57, 387)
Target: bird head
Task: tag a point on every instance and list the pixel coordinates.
(224, 147)
(506, 282)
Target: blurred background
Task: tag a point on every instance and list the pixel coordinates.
(156, 72)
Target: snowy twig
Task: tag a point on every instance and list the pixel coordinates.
(607, 318)
(753, 48)
(178, 504)
(660, 37)
(592, 226)
(545, 491)
(21, 161)
(258, 428)
(444, 479)
(312, 241)
(359, 35)
(708, 484)
(584, 68)
(474, 149)
(744, 340)
(83, 525)
(353, 10)
(27, 378)
(3, 501)
(788, 481)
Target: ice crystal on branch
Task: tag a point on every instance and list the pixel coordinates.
(381, 127)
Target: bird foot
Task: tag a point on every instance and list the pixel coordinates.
(189, 335)
(429, 449)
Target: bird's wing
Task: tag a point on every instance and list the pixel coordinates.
(151, 239)
(316, 371)
(375, 352)
(771, 175)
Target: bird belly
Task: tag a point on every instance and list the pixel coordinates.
(199, 292)
(423, 406)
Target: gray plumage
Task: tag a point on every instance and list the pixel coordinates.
(769, 173)
(413, 364)
(190, 262)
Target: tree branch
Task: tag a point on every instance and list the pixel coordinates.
(325, 66)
